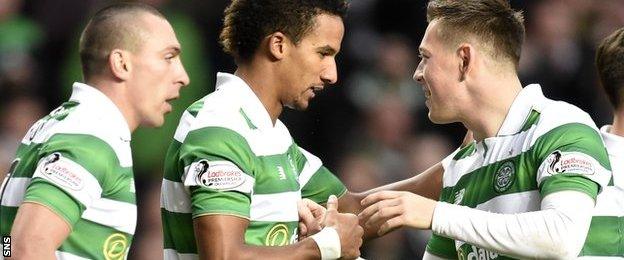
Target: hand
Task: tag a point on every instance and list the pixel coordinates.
(346, 224)
(389, 210)
(310, 218)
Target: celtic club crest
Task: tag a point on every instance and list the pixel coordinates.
(504, 177)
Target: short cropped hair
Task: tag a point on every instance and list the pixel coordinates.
(492, 22)
(247, 22)
(112, 27)
(610, 64)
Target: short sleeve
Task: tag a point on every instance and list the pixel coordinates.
(572, 157)
(317, 182)
(218, 170)
(69, 176)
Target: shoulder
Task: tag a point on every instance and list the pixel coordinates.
(77, 127)
(555, 114)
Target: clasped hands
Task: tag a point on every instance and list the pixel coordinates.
(382, 212)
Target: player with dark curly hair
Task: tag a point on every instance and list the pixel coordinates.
(234, 177)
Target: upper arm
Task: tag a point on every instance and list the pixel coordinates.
(71, 174)
(217, 167)
(219, 236)
(571, 157)
(38, 231)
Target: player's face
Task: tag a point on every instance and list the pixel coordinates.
(157, 72)
(438, 74)
(311, 65)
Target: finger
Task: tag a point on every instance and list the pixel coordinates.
(391, 225)
(383, 214)
(316, 209)
(332, 203)
(377, 196)
(305, 215)
(372, 209)
(303, 231)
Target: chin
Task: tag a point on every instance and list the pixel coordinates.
(155, 122)
(440, 119)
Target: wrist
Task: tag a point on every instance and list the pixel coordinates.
(328, 243)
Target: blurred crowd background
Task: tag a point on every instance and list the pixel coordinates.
(370, 129)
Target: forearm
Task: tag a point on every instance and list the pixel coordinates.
(305, 249)
(558, 230)
(427, 184)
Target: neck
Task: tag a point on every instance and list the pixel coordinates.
(258, 77)
(116, 92)
(618, 123)
(489, 105)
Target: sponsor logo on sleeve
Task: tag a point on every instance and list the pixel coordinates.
(217, 175)
(62, 171)
(569, 162)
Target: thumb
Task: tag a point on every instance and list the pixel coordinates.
(332, 203)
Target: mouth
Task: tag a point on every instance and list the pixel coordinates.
(317, 89)
(427, 92)
(169, 101)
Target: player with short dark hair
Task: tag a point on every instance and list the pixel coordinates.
(70, 192)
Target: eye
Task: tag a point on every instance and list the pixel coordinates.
(323, 54)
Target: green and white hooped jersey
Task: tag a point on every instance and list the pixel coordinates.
(606, 233)
(543, 146)
(228, 158)
(76, 161)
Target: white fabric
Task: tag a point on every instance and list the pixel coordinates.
(557, 231)
(328, 242)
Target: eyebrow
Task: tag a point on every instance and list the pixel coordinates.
(175, 49)
(328, 49)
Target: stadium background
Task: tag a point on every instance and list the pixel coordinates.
(371, 128)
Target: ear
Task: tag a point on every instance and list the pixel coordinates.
(465, 52)
(278, 45)
(119, 64)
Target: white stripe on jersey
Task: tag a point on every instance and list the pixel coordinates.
(277, 207)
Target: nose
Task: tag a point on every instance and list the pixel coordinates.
(183, 78)
(418, 74)
(330, 74)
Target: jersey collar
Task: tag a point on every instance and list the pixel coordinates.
(249, 102)
(103, 107)
(528, 99)
(614, 143)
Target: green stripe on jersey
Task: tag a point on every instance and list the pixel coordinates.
(178, 232)
(605, 237)
(442, 246)
(96, 241)
(322, 184)
(531, 120)
(194, 108)
(217, 143)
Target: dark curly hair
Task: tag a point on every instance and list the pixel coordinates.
(247, 22)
